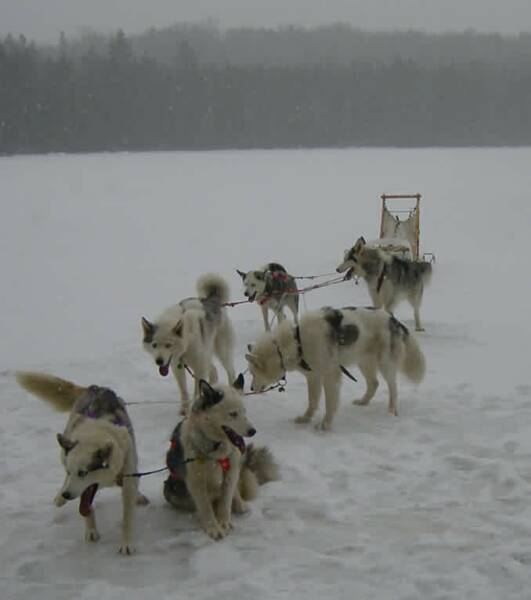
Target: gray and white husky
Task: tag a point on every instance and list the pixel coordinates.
(389, 278)
(326, 341)
(97, 448)
(190, 333)
(211, 469)
(273, 288)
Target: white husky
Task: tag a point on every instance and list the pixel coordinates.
(98, 447)
(211, 469)
(329, 339)
(190, 333)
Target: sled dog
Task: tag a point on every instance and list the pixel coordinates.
(189, 333)
(327, 341)
(269, 287)
(97, 448)
(389, 278)
(211, 469)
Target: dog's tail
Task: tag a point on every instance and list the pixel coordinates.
(413, 362)
(213, 287)
(60, 393)
(258, 468)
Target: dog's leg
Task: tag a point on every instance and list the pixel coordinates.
(332, 385)
(129, 499)
(224, 352)
(388, 370)
(293, 306)
(376, 297)
(91, 531)
(368, 370)
(196, 482)
(415, 301)
(239, 507)
(264, 316)
(315, 385)
(228, 489)
(180, 376)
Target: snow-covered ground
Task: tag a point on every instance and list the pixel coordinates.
(434, 504)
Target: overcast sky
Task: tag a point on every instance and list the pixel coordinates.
(42, 20)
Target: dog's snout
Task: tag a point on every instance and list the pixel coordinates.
(246, 294)
(159, 362)
(338, 270)
(67, 495)
(251, 432)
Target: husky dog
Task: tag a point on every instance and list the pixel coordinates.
(211, 470)
(269, 287)
(98, 447)
(389, 278)
(329, 339)
(190, 332)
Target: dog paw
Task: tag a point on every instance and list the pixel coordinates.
(225, 527)
(303, 419)
(92, 535)
(126, 549)
(214, 532)
(393, 412)
(324, 425)
(59, 500)
(142, 500)
(419, 329)
(360, 402)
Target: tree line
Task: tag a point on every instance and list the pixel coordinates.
(113, 99)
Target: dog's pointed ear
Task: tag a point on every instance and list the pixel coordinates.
(241, 273)
(239, 382)
(208, 396)
(252, 359)
(148, 329)
(178, 329)
(65, 443)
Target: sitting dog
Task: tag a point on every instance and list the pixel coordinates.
(211, 470)
(273, 288)
(98, 448)
(189, 333)
(389, 278)
(326, 341)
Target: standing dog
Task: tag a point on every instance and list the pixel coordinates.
(270, 287)
(211, 470)
(329, 339)
(98, 448)
(190, 332)
(389, 278)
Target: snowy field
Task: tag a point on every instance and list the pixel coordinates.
(434, 504)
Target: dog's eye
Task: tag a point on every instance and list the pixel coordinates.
(233, 414)
(154, 345)
(82, 473)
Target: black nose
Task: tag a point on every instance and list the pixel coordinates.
(246, 294)
(251, 432)
(337, 270)
(67, 495)
(159, 362)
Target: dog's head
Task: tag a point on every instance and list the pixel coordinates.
(163, 341)
(351, 262)
(254, 284)
(220, 413)
(89, 463)
(265, 363)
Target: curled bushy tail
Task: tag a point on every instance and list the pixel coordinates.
(258, 468)
(60, 393)
(413, 362)
(213, 287)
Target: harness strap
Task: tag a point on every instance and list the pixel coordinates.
(381, 278)
(347, 373)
